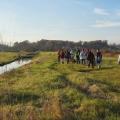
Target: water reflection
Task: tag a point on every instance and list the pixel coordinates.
(14, 65)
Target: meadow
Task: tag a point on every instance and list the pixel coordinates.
(6, 57)
(47, 90)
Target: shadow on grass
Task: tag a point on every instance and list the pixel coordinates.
(59, 82)
(110, 86)
(12, 98)
(85, 70)
(72, 84)
(94, 69)
(83, 88)
(107, 68)
(111, 106)
(52, 66)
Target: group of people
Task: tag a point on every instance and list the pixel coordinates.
(84, 56)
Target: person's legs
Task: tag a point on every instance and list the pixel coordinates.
(93, 64)
(84, 61)
(62, 60)
(99, 63)
(67, 60)
(77, 59)
(119, 62)
(89, 63)
(99, 66)
(58, 59)
(80, 61)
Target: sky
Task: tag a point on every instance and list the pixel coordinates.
(72, 20)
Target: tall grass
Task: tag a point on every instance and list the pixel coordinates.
(7, 56)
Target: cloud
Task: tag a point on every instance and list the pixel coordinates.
(100, 11)
(118, 12)
(106, 24)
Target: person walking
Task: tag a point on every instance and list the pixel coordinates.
(62, 56)
(83, 56)
(74, 56)
(91, 59)
(68, 56)
(77, 56)
(98, 58)
(59, 51)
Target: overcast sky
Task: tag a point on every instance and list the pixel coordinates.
(59, 19)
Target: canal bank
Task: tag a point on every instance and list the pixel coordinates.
(19, 57)
(14, 65)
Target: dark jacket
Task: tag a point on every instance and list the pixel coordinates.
(91, 56)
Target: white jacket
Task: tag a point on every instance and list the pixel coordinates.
(83, 55)
(119, 59)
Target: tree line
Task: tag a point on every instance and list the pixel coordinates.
(53, 45)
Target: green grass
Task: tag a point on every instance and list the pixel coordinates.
(7, 56)
(46, 90)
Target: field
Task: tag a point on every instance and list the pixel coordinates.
(5, 57)
(8, 57)
(46, 90)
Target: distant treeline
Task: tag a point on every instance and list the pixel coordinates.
(53, 45)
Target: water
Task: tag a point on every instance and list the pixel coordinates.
(14, 65)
